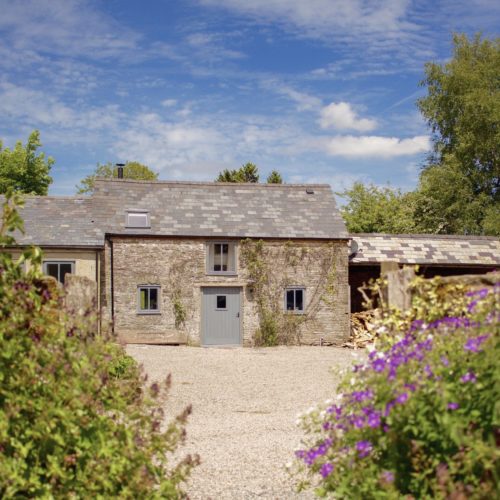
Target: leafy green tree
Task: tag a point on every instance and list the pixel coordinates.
(76, 417)
(274, 178)
(371, 209)
(459, 188)
(131, 170)
(24, 170)
(246, 173)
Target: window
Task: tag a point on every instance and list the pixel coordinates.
(137, 218)
(294, 300)
(148, 299)
(221, 258)
(221, 302)
(58, 269)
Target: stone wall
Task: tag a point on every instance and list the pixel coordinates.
(179, 267)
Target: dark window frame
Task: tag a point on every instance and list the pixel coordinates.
(295, 289)
(58, 262)
(158, 299)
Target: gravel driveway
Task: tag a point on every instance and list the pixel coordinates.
(245, 404)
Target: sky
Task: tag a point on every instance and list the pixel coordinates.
(321, 90)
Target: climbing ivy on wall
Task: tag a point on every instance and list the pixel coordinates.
(270, 269)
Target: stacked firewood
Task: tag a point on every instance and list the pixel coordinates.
(362, 329)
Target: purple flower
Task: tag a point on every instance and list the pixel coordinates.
(469, 377)
(360, 396)
(379, 365)
(402, 398)
(428, 371)
(364, 448)
(386, 428)
(411, 387)
(358, 422)
(374, 419)
(326, 469)
(453, 406)
(387, 476)
(388, 407)
(445, 361)
(473, 344)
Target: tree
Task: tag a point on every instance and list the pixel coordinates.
(131, 170)
(24, 170)
(371, 209)
(246, 173)
(274, 178)
(459, 187)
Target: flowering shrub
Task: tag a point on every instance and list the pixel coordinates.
(420, 417)
(76, 420)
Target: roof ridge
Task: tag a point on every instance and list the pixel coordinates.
(212, 184)
(417, 236)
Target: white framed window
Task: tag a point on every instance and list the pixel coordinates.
(221, 257)
(58, 268)
(295, 299)
(137, 218)
(148, 299)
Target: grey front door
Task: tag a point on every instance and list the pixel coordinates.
(221, 316)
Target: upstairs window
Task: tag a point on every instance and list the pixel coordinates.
(148, 298)
(221, 258)
(294, 300)
(137, 218)
(58, 269)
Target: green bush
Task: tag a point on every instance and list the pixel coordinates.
(420, 418)
(76, 417)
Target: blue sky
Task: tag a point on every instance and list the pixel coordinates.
(322, 90)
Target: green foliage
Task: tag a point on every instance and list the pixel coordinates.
(271, 269)
(246, 173)
(274, 178)
(371, 209)
(180, 313)
(420, 417)
(459, 189)
(24, 170)
(76, 419)
(131, 170)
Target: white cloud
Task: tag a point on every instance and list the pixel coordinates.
(341, 116)
(168, 103)
(375, 146)
(64, 27)
(304, 101)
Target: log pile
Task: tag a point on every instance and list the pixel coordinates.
(362, 329)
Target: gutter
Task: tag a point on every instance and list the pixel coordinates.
(112, 282)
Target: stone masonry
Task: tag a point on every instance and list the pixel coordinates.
(178, 266)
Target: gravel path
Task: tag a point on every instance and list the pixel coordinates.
(245, 404)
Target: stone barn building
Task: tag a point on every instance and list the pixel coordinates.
(203, 263)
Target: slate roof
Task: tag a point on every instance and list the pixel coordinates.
(59, 221)
(184, 209)
(426, 249)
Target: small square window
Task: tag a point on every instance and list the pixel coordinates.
(294, 300)
(221, 258)
(137, 219)
(221, 302)
(58, 269)
(148, 298)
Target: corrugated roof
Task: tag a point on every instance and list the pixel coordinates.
(183, 209)
(220, 209)
(425, 249)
